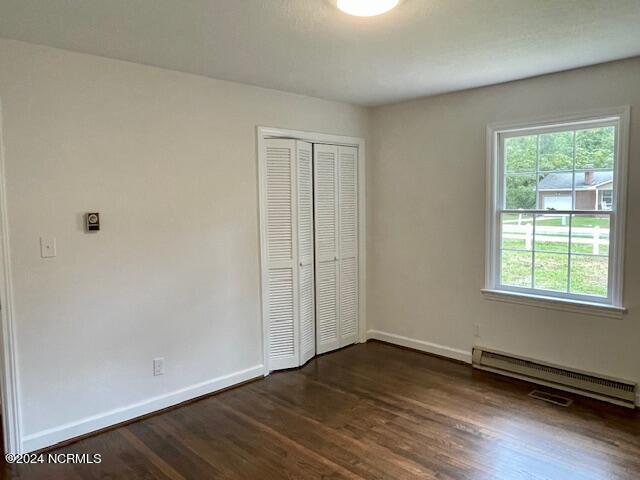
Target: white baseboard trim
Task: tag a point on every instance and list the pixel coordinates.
(421, 345)
(51, 436)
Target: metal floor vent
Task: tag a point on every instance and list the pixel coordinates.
(551, 398)
(612, 390)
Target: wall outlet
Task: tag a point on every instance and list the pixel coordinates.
(476, 330)
(158, 366)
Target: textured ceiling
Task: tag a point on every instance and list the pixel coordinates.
(424, 47)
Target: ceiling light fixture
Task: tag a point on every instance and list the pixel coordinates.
(366, 8)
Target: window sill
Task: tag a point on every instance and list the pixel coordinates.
(552, 303)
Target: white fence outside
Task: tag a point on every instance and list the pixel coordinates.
(594, 236)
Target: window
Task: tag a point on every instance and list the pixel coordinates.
(556, 209)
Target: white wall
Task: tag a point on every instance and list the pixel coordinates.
(427, 224)
(169, 160)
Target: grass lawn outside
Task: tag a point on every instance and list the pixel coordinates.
(577, 221)
(555, 247)
(588, 273)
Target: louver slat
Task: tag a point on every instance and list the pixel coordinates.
(281, 277)
(305, 201)
(278, 207)
(326, 222)
(326, 306)
(281, 316)
(326, 213)
(348, 202)
(348, 301)
(305, 251)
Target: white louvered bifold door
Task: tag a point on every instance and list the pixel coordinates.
(348, 244)
(325, 170)
(280, 250)
(306, 251)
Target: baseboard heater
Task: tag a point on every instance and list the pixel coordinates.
(620, 392)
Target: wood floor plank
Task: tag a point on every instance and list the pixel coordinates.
(142, 448)
(265, 426)
(370, 411)
(262, 449)
(360, 448)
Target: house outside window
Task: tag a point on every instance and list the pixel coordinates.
(592, 188)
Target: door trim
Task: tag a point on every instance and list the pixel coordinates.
(11, 417)
(263, 133)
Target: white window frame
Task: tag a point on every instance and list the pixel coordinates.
(612, 306)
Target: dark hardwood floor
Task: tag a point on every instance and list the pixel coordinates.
(368, 411)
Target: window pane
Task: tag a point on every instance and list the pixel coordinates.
(551, 271)
(590, 234)
(515, 268)
(556, 151)
(520, 191)
(589, 275)
(594, 189)
(595, 148)
(517, 231)
(520, 154)
(552, 233)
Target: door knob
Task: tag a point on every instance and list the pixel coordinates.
(335, 259)
(301, 264)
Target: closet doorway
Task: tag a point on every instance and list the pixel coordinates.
(312, 234)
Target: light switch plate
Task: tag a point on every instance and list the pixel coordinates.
(47, 247)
